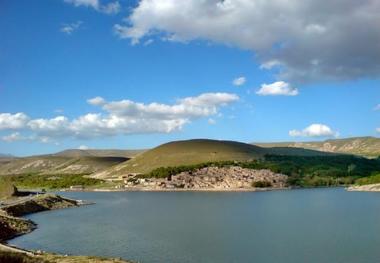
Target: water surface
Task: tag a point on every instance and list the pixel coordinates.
(314, 225)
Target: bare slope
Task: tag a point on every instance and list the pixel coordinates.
(98, 153)
(194, 152)
(364, 146)
(50, 164)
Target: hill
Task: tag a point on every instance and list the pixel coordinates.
(363, 146)
(98, 153)
(197, 151)
(50, 164)
(3, 155)
(72, 161)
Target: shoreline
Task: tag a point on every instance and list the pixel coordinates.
(364, 188)
(142, 189)
(221, 190)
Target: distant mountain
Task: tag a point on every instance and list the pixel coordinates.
(50, 164)
(71, 161)
(363, 146)
(4, 155)
(99, 153)
(195, 152)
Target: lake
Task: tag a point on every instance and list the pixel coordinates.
(310, 225)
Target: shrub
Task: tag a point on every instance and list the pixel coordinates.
(262, 184)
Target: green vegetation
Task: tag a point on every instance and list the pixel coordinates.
(311, 171)
(303, 171)
(167, 172)
(7, 188)
(261, 184)
(374, 179)
(12, 257)
(30, 181)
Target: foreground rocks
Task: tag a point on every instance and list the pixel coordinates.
(11, 255)
(212, 178)
(11, 227)
(38, 203)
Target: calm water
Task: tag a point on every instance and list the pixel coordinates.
(319, 225)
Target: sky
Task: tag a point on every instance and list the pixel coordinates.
(136, 74)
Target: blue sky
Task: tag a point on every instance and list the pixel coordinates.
(56, 55)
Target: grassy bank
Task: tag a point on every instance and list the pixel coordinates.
(374, 179)
(52, 182)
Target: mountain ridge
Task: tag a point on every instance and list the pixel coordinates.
(195, 151)
(363, 146)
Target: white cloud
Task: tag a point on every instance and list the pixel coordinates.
(110, 8)
(239, 81)
(13, 137)
(314, 130)
(148, 42)
(277, 89)
(57, 126)
(97, 101)
(10, 121)
(83, 147)
(211, 121)
(287, 33)
(270, 64)
(87, 3)
(378, 130)
(124, 117)
(68, 29)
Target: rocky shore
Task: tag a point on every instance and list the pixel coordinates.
(365, 188)
(14, 255)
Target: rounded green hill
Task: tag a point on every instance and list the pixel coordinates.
(194, 152)
(190, 152)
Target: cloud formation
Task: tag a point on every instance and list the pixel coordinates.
(97, 101)
(68, 29)
(239, 81)
(279, 88)
(377, 107)
(303, 40)
(83, 147)
(15, 121)
(118, 118)
(314, 130)
(13, 137)
(110, 8)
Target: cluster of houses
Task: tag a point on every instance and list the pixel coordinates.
(232, 177)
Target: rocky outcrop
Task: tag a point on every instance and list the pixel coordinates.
(12, 226)
(38, 204)
(214, 178)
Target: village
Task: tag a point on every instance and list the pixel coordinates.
(209, 178)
